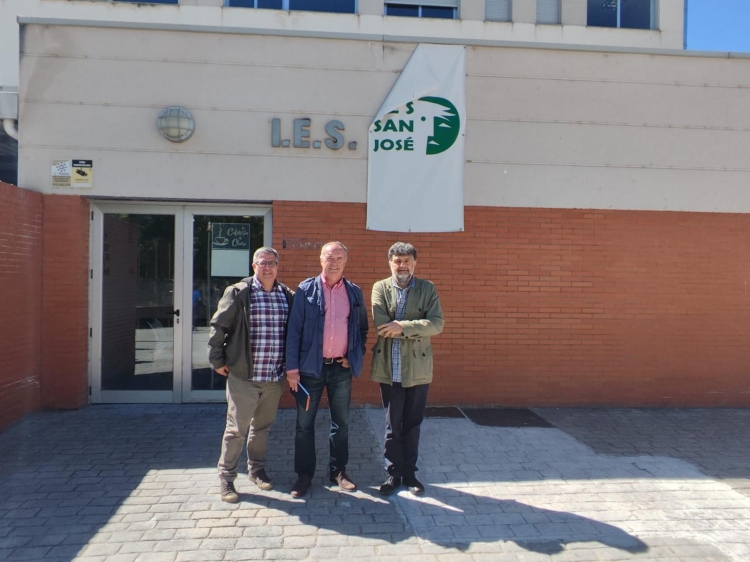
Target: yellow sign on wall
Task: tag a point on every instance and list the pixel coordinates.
(72, 173)
(82, 173)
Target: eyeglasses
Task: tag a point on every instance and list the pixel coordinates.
(266, 263)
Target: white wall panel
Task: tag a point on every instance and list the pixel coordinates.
(208, 177)
(610, 146)
(156, 84)
(546, 128)
(595, 102)
(607, 188)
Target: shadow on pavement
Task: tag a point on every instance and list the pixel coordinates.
(715, 440)
(445, 522)
(115, 480)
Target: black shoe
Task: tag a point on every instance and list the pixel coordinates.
(228, 493)
(390, 485)
(301, 486)
(415, 486)
(344, 481)
(262, 480)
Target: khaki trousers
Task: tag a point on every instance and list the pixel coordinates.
(251, 410)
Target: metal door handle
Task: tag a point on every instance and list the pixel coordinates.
(174, 313)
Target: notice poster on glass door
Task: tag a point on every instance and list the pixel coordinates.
(230, 250)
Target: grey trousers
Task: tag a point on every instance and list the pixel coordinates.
(251, 409)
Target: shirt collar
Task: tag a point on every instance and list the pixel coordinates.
(336, 286)
(258, 287)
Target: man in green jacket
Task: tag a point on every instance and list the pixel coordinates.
(407, 312)
(247, 344)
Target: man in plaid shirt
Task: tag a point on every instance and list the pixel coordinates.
(247, 345)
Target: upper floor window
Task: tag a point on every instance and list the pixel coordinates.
(338, 6)
(498, 10)
(548, 12)
(632, 14)
(149, 1)
(445, 9)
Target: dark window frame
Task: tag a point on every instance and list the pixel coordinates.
(289, 5)
(618, 7)
(420, 8)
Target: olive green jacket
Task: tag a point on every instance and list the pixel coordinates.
(423, 318)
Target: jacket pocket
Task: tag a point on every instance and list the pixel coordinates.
(377, 369)
(422, 367)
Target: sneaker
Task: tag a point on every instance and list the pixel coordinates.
(301, 486)
(228, 493)
(416, 488)
(261, 480)
(390, 485)
(344, 481)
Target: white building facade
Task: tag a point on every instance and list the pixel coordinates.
(605, 185)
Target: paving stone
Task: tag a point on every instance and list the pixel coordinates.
(245, 554)
(102, 549)
(286, 554)
(156, 557)
(13, 542)
(201, 556)
(325, 553)
(137, 547)
(29, 553)
(259, 542)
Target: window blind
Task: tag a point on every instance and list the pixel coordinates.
(548, 11)
(497, 10)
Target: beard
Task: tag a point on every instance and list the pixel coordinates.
(403, 277)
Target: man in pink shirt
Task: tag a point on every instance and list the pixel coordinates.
(325, 347)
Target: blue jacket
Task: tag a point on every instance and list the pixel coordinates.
(304, 336)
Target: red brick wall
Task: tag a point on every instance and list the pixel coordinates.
(65, 322)
(562, 307)
(21, 298)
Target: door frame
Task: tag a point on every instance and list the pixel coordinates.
(183, 272)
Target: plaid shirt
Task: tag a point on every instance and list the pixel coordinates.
(403, 294)
(269, 311)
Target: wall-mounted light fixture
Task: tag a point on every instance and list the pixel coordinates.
(176, 124)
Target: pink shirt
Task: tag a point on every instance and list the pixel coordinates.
(336, 327)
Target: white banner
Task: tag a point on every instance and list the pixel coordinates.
(415, 167)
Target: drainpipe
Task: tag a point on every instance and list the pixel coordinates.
(685, 26)
(11, 127)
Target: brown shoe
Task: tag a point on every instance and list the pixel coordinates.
(228, 492)
(301, 486)
(262, 480)
(344, 481)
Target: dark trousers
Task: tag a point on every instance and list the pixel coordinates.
(404, 412)
(338, 384)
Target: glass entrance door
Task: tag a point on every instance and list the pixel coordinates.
(223, 243)
(158, 272)
(137, 261)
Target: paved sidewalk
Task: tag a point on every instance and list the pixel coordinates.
(138, 484)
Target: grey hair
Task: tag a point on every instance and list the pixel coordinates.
(265, 250)
(337, 244)
(402, 249)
